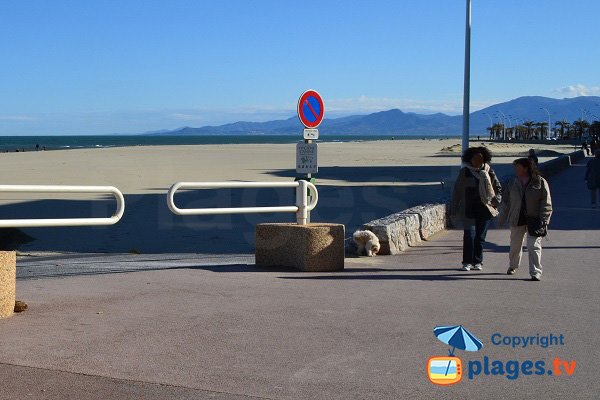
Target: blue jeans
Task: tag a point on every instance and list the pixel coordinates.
(473, 239)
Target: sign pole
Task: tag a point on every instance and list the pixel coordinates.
(308, 179)
(310, 112)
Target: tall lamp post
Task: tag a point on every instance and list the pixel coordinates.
(503, 125)
(467, 79)
(491, 123)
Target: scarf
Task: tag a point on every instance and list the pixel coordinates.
(486, 190)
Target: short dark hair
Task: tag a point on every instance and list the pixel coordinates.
(471, 151)
(529, 164)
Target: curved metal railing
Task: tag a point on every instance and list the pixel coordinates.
(301, 208)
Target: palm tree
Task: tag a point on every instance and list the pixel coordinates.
(528, 125)
(563, 124)
(580, 126)
(519, 132)
(594, 128)
(543, 128)
(510, 133)
(499, 131)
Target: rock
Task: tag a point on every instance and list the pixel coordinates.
(20, 306)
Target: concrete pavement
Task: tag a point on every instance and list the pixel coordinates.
(192, 326)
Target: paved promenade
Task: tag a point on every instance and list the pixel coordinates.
(208, 327)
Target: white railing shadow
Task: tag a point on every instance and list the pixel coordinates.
(56, 222)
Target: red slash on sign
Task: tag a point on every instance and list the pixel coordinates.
(311, 109)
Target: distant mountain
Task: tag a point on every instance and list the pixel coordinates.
(396, 122)
(531, 108)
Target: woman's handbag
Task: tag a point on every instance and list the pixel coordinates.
(536, 227)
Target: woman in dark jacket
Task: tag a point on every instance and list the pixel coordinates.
(475, 200)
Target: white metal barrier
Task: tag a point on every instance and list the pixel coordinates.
(31, 223)
(301, 208)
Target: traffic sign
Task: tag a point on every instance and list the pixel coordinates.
(311, 133)
(311, 109)
(306, 158)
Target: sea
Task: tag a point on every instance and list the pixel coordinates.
(33, 143)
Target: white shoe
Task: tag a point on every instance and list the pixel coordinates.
(466, 267)
(477, 267)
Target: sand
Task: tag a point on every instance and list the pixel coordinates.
(357, 182)
(152, 169)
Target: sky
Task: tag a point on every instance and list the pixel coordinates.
(105, 66)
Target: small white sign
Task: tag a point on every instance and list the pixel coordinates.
(306, 158)
(311, 133)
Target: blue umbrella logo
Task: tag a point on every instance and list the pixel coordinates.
(457, 337)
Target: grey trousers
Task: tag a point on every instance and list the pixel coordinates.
(534, 250)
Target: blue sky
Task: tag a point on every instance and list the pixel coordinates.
(102, 67)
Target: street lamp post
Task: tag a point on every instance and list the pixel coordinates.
(491, 124)
(503, 125)
(467, 79)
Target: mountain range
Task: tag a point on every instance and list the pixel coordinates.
(396, 122)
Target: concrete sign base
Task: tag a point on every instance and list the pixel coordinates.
(317, 247)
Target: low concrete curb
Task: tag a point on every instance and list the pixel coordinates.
(397, 232)
(560, 163)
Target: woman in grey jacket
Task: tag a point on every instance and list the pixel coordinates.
(475, 200)
(527, 208)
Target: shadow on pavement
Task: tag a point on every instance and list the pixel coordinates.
(417, 277)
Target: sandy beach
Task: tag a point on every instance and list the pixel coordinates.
(358, 182)
(152, 169)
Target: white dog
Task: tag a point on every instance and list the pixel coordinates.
(367, 243)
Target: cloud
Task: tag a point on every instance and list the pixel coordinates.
(187, 117)
(579, 90)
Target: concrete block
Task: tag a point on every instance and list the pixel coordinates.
(8, 280)
(432, 218)
(577, 156)
(395, 232)
(313, 247)
(399, 231)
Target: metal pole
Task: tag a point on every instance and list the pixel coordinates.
(308, 178)
(467, 79)
(503, 125)
(302, 203)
